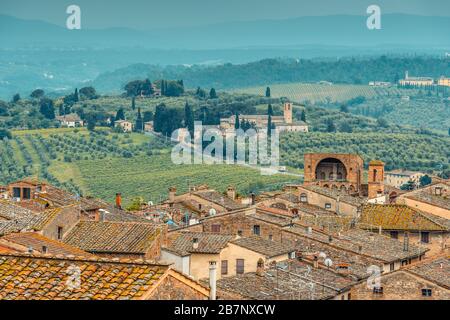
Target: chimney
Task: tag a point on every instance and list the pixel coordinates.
(310, 230)
(231, 193)
(330, 238)
(44, 249)
(195, 243)
(119, 200)
(30, 249)
(360, 248)
(212, 280)
(260, 267)
(316, 262)
(172, 193)
(406, 242)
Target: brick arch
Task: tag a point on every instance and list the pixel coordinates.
(349, 170)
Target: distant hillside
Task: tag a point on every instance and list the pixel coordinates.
(270, 71)
(342, 30)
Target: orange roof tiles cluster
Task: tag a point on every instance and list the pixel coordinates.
(25, 276)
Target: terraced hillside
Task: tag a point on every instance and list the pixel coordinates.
(313, 92)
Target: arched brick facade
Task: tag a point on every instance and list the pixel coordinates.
(349, 179)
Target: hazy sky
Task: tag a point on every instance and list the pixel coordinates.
(145, 14)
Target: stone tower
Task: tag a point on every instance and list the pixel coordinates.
(375, 179)
(288, 112)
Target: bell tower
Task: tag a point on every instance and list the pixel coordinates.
(375, 179)
(288, 112)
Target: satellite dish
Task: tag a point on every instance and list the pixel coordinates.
(322, 255)
(150, 203)
(328, 262)
(212, 212)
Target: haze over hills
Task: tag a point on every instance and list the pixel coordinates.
(37, 54)
(336, 30)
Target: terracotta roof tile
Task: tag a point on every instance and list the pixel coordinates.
(36, 277)
(266, 247)
(398, 217)
(117, 237)
(37, 242)
(207, 243)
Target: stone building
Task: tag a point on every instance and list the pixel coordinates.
(126, 126)
(282, 123)
(397, 178)
(415, 81)
(434, 199)
(191, 253)
(336, 171)
(425, 280)
(407, 224)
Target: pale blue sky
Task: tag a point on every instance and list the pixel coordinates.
(146, 14)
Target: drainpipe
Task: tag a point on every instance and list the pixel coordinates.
(212, 280)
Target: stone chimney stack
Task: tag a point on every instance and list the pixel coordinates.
(172, 193)
(119, 200)
(212, 280)
(231, 192)
(260, 268)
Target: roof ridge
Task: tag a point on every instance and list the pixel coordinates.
(93, 259)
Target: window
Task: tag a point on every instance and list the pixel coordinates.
(404, 262)
(270, 237)
(378, 290)
(224, 267)
(292, 255)
(257, 230)
(303, 198)
(239, 233)
(392, 266)
(438, 191)
(44, 249)
(394, 234)
(425, 237)
(26, 193)
(327, 205)
(60, 233)
(239, 266)
(16, 192)
(215, 228)
(426, 292)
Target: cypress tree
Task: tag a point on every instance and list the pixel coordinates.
(189, 118)
(303, 116)
(133, 103)
(139, 123)
(270, 110)
(236, 121)
(212, 93)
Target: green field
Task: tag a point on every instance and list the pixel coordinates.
(102, 163)
(313, 92)
(150, 177)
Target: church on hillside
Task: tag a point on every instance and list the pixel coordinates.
(282, 123)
